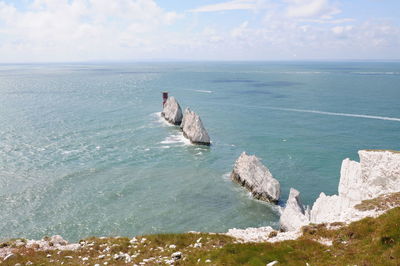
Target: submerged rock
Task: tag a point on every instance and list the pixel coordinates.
(294, 215)
(252, 174)
(172, 111)
(193, 128)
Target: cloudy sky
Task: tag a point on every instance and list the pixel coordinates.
(132, 30)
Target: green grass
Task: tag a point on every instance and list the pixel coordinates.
(371, 241)
(380, 203)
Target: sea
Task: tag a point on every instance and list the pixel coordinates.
(84, 150)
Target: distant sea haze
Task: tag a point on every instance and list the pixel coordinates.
(85, 152)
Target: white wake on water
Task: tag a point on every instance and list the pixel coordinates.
(396, 119)
(338, 114)
(204, 91)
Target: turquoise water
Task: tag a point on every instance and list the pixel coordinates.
(84, 152)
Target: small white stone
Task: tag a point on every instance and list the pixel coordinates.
(208, 261)
(172, 246)
(272, 263)
(8, 256)
(197, 245)
(176, 255)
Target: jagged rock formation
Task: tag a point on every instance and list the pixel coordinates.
(172, 111)
(377, 173)
(193, 128)
(252, 174)
(294, 215)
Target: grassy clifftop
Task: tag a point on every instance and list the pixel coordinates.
(371, 241)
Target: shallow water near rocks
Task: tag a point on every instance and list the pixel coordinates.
(84, 151)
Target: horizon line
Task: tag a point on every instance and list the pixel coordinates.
(201, 60)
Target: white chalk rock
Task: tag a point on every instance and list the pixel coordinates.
(380, 172)
(172, 111)
(294, 216)
(58, 240)
(176, 255)
(252, 174)
(328, 209)
(193, 128)
(350, 183)
(377, 173)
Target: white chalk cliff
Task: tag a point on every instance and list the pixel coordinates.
(172, 111)
(294, 215)
(193, 128)
(252, 174)
(377, 173)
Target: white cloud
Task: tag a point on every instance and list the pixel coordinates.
(82, 30)
(69, 30)
(339, 30)
(328, 21)
(230, 5)
(240, 31)
(311, 9)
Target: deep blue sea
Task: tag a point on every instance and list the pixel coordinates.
(83, 150)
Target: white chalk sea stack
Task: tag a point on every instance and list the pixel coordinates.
(193, 128)
(172, 111)
(294, 215)
(252, 174)
(377, 173)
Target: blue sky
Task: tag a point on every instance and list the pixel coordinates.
(131, 30)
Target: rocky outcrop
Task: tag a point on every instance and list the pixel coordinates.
(294, 215)
(261, 234)
(172, 111)
(193, 128)
(377, 173)
(252, 174)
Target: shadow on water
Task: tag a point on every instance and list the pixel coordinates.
(262, 92)
(234, 81)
